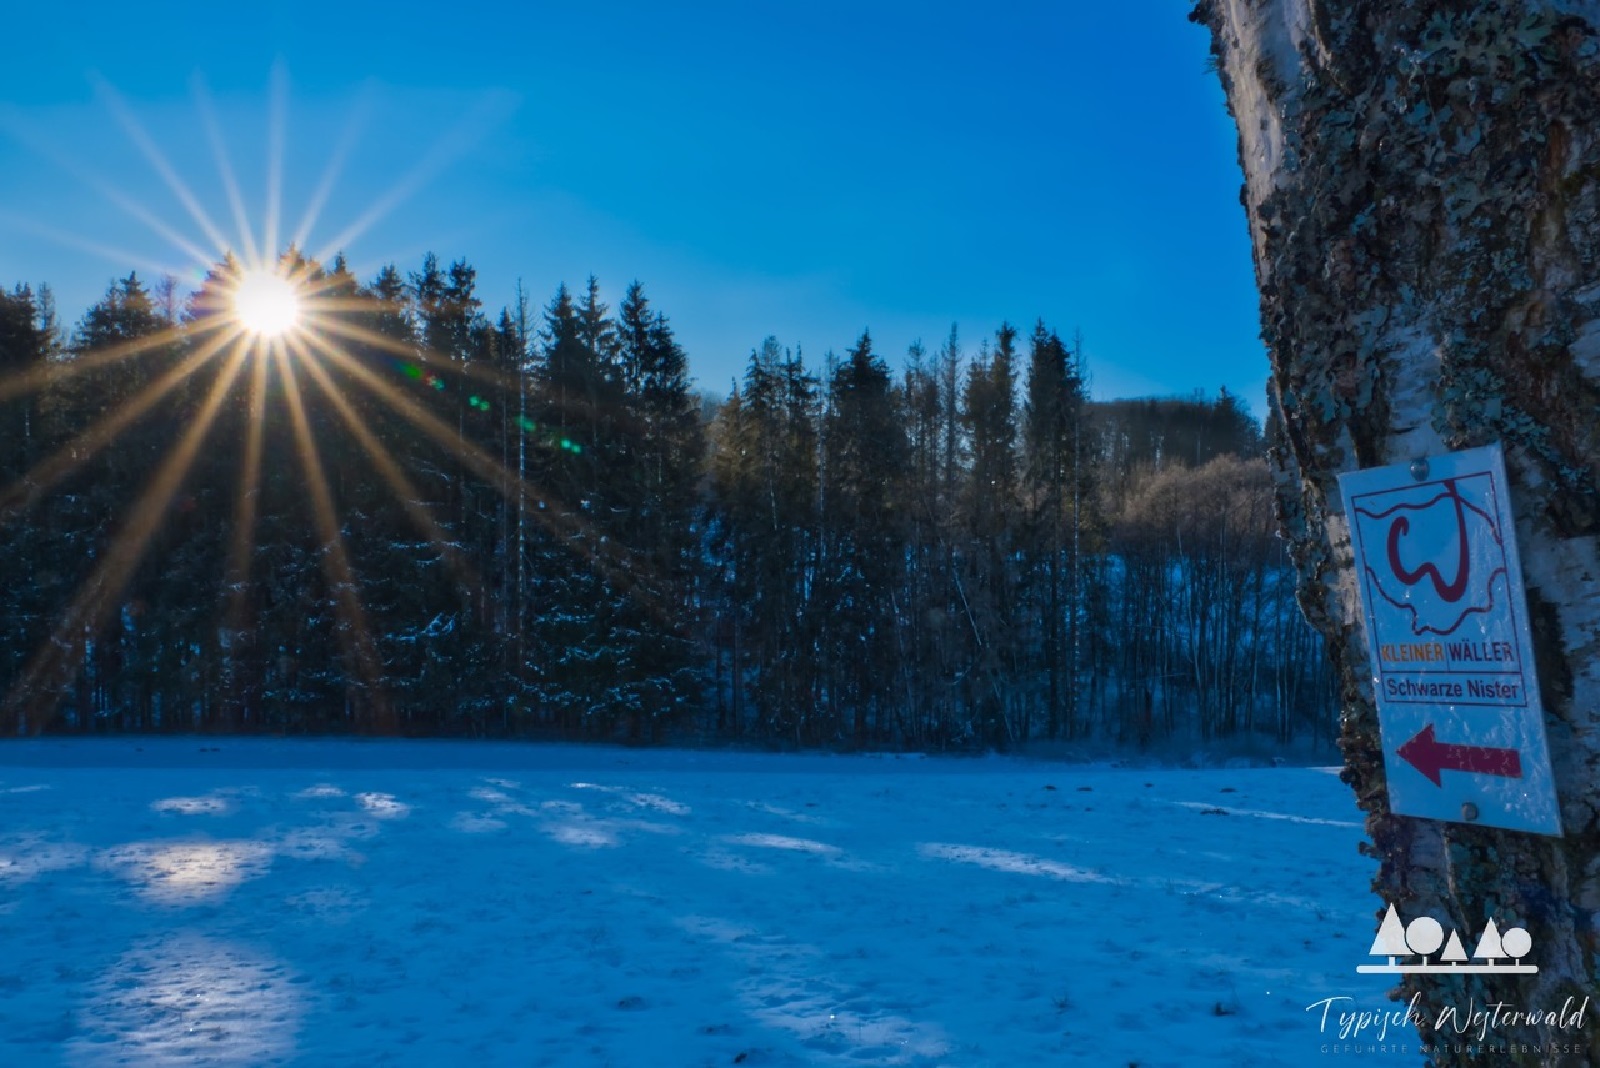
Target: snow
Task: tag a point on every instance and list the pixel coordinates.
(255, 902)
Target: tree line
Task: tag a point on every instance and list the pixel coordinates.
(411, 516)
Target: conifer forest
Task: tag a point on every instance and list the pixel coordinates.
(423, 516)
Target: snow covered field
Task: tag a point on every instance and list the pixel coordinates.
(232, 902)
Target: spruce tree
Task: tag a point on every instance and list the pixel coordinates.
(765, 480)
(990, 508)
(26, 588)
(1059, 492)
(865, 467)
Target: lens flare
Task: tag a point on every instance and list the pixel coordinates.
(280, 318)
(266, 304)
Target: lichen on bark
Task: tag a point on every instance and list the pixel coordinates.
(1422, 185)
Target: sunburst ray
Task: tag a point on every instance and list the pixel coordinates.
(49, 472)
(575, 533)
(369, 264)
(108, 253)
(57, 663)
(405, 491)
(451, 146)
(355, 636)
(39, 376)
(335, 167)
(219, 152)
(110, 192)
(277, 121)
(157, 159)
(246, 509)
(473, 369)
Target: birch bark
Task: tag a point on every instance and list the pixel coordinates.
(1422, 183)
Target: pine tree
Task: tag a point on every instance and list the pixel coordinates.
(69, 667)
(1060, 493)
(927, 616)
(865, 468)
(765, 480)
(25, 344)
(586, 634)
(991, 507)
(126, 313)
(25, 574)
(660, 455)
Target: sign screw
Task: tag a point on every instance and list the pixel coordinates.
(1419, 468)
(1469, 811)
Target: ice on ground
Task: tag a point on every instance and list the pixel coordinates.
(406, 903)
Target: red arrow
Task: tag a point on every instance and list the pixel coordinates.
(1430, 756)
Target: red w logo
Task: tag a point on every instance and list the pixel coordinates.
(1432, 550)
(1449, 592)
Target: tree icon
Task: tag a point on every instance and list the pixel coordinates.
(1425, 935)
(1516, 942)
(1391, 940)
(1489, 947)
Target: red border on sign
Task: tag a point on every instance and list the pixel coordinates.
(1373, 592)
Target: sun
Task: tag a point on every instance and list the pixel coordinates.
(266, 304)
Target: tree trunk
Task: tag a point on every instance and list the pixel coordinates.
(1422, 181)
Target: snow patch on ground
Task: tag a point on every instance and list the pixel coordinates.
(186, 872)
(384, 806)
(212, 805)
(185, 999)
(30, 855)
(1226, 810)
(471, 823)
(1005, 860)
(417, 904)
(782, 841)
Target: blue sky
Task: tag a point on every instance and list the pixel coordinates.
(799, 170)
